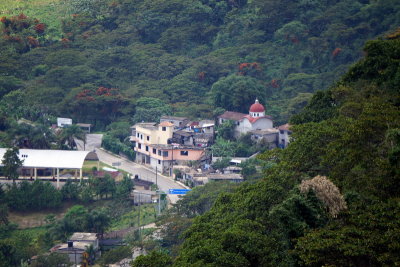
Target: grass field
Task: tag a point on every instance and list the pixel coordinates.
(48, 11)
(89, 164)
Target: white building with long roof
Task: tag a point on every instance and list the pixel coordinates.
(34, 159)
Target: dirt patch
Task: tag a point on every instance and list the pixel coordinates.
(29, 219)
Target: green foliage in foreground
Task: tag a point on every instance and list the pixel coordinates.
(115, 255)
(32, 196)
(153, 259)
(355, 143)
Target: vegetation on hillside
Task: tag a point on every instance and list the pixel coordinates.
(195, 56)
(331, 198)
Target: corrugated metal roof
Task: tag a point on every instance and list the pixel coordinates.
(63, 159)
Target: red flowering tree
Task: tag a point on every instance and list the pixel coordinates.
(22, 31)
(250, 69)
(99, 104)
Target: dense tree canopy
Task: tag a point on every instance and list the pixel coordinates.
(347, 219)
(194, 56)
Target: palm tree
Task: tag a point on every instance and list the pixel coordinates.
(68, 135)
(91, 252)
(36, 136)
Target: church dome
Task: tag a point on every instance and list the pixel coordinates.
(257, 107)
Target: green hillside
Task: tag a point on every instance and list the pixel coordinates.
(330, 199)
(196, 56)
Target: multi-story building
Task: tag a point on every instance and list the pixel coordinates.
(154, 147)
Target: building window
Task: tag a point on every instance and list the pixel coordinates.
(281, 132)
(140, 146)
(148, 138)
(165, 153)
(147, 148)
(138, 135)
(164, 129)
(154, 151)
(184, 153)
(159, 161)
(159, 152)
(237, 123)
(141, 136)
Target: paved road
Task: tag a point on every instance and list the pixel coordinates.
(93, 142)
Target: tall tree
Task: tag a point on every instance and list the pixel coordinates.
(11, 163)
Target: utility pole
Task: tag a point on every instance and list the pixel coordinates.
(140, 233)
(159, 202)
(156, 178)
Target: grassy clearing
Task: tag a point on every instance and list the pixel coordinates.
(89, 164)
(130, 219)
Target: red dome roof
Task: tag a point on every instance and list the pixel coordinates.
(257, 107)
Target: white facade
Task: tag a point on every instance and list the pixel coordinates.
(255, 120)
(62, 122)
(284, 135)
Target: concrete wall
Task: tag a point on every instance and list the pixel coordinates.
(263, 123)
(284, 138)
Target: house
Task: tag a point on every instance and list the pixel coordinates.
(62, 122)
(163, 157)
(183, 137)
(77, 245)
(203, 139)
(194, 177)
(143, 196)
(178, 122)
(154, 146)
(204, 126)
(232, 177)
(188, 138)
(141, 184)
(269, 136)
(284, 135)
(244, 123)
(148, 134)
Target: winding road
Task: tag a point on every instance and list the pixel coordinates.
(93, 143)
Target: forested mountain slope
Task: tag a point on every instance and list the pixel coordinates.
(196, 56)
(332, 197)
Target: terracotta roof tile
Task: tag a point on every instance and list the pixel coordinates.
(231, 115)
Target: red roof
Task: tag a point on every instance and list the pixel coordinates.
(254, 119)
(166, 124)
(257, 107)
(230, 115)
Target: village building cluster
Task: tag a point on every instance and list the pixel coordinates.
(176, 143)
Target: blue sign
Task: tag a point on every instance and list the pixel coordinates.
(178, 191)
